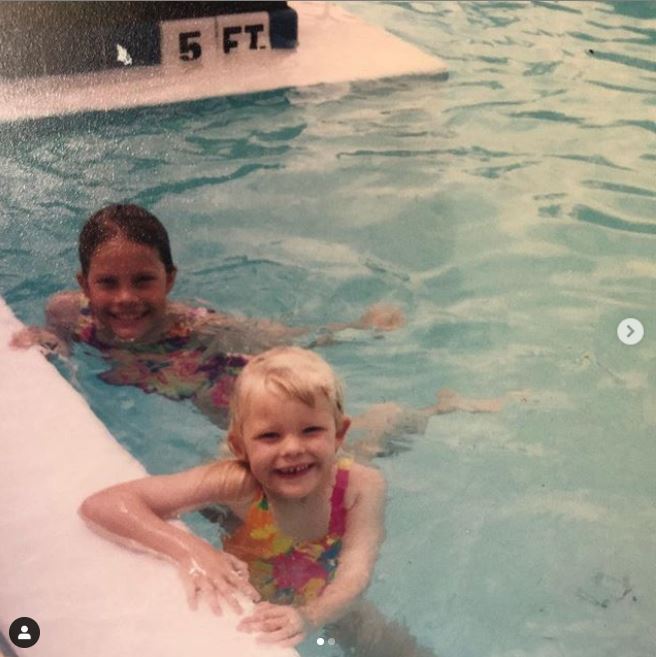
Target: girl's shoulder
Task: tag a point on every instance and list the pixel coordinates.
(188, 312)
(226, 482)
(63, 309)
(66, 299)
(187, 320)
(363, 481)
(231, 482)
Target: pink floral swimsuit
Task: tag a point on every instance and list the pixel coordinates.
(177, 366)
(283, 570)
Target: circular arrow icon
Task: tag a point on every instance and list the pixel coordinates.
(630, 331)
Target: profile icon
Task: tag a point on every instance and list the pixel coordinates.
(24, 632)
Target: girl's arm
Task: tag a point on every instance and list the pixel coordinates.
(248, 335)
(360, 544)
(62, 315)
(135, 513)
(380, 317)
(287, 626)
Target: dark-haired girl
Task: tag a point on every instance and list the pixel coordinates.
(161, 346)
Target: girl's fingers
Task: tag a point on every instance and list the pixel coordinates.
(250, 592)
(262, 628)
(190, 590)
(271, 624)
(209, 592)
(292, 641)
(240, 567)
(262, 611)
(226, 592)
(266, 608)
(244, 586)
(268, 625)
(256, 625)
(215, 593)
(206, 590)
(239, 578)
(220, 586)
(215, 604)
(284, 634)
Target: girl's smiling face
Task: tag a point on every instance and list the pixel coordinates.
(127, 286)
(290, 446)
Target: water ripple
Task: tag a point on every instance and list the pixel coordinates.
(624, 60)
(233, 263)
(622, 189)
(598, 160)
(644, 125)
(388, 153)
(545, 115)
(153, 195)
(621, 88)
(557, 6)
(589, 215)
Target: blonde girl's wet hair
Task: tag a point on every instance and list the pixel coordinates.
(291, 372)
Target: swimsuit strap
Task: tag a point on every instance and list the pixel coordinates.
(337, 509)
(337, 522)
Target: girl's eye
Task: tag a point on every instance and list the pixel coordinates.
(144, 280)
(270, 435)
(106, 282)
(312, 430)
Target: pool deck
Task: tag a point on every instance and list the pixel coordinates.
(334, 47)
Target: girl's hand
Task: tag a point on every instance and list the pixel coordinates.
(218, 577)
(47, 340)
(283, 625)
(381, 316)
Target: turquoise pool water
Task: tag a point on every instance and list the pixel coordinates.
(509, 210)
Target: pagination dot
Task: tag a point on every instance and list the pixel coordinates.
(320, 641)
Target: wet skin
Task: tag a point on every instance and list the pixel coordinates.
(127, 286)
(290, 446)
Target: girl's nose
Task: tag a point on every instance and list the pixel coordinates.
(125, 294)
(292, 444)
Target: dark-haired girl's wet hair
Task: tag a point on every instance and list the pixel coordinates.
(129, 221)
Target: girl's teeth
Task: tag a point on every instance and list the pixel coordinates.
(298, 468)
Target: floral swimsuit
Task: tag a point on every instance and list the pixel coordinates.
(178, 366)
(285, 571)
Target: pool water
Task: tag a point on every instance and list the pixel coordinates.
(509, 210)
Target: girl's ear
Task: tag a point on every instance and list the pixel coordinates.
(341, 432)
(236, 446)
(83, 282)
(170, 279)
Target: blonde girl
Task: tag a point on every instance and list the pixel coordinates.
(311, 520)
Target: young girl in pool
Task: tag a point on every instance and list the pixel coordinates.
(311, 520)
(179, 351)
(161, 346)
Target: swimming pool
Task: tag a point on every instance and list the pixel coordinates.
(509, 210)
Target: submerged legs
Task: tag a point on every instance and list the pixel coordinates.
(366, 632)
(385, 429)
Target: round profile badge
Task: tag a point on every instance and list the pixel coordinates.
(24, 632)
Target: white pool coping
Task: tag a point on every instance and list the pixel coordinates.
(89, 596)
(334, 46)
